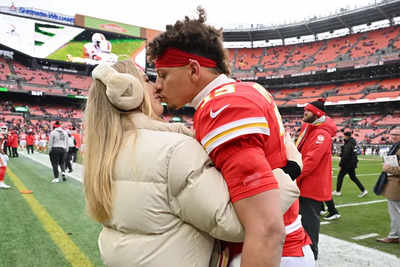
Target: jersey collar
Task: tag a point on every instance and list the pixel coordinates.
(221, 79)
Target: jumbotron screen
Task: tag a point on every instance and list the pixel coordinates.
(50, 40)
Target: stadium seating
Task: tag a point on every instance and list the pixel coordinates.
(4, 69)
(20, 77)
(351, 50)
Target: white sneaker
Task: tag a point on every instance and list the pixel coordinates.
(335, 193)
(323, 212)
(332, 217)
(4, 186)
(55, 180)
(363, 194)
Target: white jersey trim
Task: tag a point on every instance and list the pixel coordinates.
(229, 136)
(232, 125)
(294, 226)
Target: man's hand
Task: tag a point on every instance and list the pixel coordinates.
(386, 167)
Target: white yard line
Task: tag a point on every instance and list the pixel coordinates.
(361, 203)
(365, 174)
(361, 237)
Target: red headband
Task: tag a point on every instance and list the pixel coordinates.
(314, 110)
(174, 57)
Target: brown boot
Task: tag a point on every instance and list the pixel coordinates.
(388, 240)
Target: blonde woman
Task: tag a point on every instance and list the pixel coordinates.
(155, 191)
(149, 183)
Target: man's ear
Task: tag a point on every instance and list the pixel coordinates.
(194, 70)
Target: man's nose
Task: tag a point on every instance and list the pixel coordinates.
(157, 85)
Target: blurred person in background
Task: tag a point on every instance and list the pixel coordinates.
(14, 142)
(315, 181)
(30, 140)
(7, 144)
(71, 151)
(43, 141)
(37, 140)
(3, 168)
(22, 138)
(391, 190)
(58, 147)
(77, 137)
(348, 164)
(150, 182)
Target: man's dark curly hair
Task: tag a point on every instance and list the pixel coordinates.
(192, 36)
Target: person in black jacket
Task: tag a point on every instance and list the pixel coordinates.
(348, 164)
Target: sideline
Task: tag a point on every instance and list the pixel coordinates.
(70, 250)
(333, 251)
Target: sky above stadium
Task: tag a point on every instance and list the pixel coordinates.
(220, 13)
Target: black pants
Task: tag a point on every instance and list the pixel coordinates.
(57, 156)
(331, 206)
(8, 151)
(14, 152)
(68, 159)
(74, 153)
(309, 210)
(29, 148)
(353, 177)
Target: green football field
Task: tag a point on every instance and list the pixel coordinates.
(51, 227)
(358, 219)
(123, 48)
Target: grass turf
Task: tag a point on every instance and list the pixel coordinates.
(24, 241)
(362, 219)
(123, 48)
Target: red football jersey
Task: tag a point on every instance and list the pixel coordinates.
(239, 124)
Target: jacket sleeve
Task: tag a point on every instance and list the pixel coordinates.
(347, 153)
(66, 142)
(51, 141)
(312, 155)
(199, 195)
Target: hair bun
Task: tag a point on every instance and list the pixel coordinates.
(123, 90)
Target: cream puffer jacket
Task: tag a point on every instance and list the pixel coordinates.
(169, 202)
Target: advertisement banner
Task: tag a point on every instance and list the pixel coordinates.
(38, 13)
(69, 43)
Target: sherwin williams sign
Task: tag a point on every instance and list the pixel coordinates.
(111, 26)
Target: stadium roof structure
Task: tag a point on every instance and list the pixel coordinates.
(346, 19)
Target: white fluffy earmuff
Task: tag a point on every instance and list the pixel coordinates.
(123, 90)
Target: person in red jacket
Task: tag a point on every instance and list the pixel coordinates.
(315, 181)
(77, 138)
(14, 144)
(30, 140)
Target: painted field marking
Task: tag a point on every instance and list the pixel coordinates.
(325, 222)
(70, 250)
(361, 203)
(365, 174)
(361, 237)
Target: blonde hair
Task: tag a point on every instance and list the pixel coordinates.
(104, 130)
